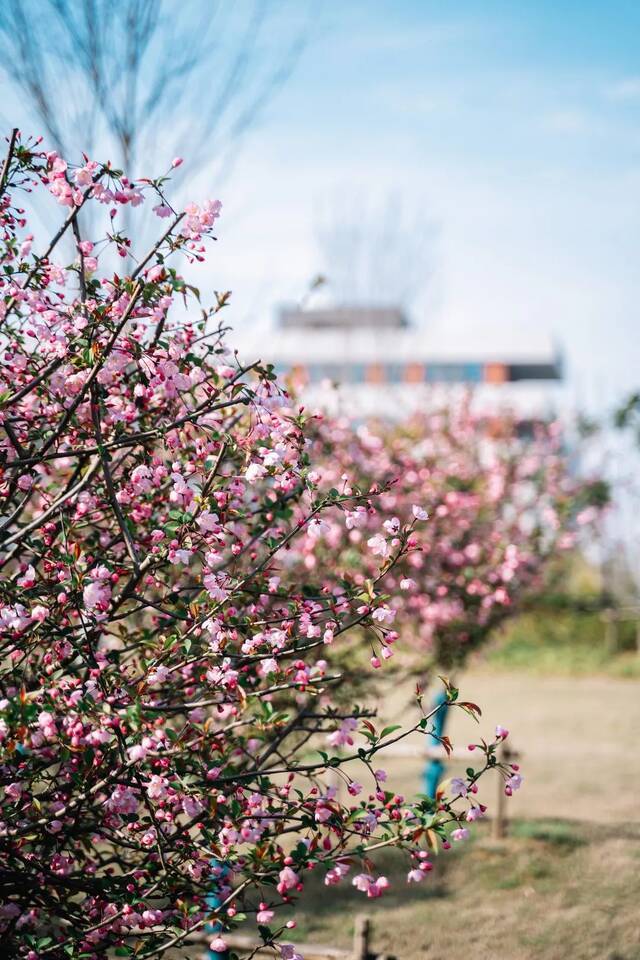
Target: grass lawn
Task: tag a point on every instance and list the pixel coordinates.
(554, 889)
(565, 883)
(562, 643)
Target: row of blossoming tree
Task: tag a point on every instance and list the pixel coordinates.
(191, 569)
(503, 505)
(504, 508)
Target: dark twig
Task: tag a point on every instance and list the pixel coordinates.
(4, 176)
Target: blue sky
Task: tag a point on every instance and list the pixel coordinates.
(510, 128)
(514, 127)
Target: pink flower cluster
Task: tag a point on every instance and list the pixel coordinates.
(487, 505)
(173, 646)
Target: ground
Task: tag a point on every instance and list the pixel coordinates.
(565, 883)
(555, 889)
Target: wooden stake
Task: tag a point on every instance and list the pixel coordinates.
(498, 826)
(610, 630)
(361, 934)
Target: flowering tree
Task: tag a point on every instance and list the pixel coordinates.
(502, 505)
(166, 715)
(131, 72)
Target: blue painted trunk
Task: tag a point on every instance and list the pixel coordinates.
(213, 901)
(434, 769)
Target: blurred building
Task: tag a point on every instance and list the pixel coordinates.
(370, 360)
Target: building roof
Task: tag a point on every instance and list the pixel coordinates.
(382, 335)
(371, 362)
(343, 318)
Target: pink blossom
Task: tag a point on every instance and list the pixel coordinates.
(515, 781)
(157, 787)
(159, 674)
(139, 751)
(264, 914)
(96, 595)
(123, 800)
(378, 545)
(355, 518)
(336, 874)
(289, 952)
(192, 806)
(13, 791)
(208, 521)
(342, 736)
(317, 528)
(458, 787)
(366, 884)
(288, 879)
(28, 578)
(460, 833)
(254, 472)
(383, 614)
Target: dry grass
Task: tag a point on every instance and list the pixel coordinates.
(578, 737)
(566, 882)
(553, 890)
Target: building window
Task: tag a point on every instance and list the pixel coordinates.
(496, 373)
(394, 372)
(299, 373)
(533, 371)
(454, 373)
(324, 371)
(414, 373)
(375, 373)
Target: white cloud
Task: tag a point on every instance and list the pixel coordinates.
(625, 90)
(569, 122)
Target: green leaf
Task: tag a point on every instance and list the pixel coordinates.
(391, 729)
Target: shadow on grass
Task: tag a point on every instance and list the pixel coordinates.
(319, 900)
(544, 868)
(528, 854)
(561, 834)
(571, 834)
